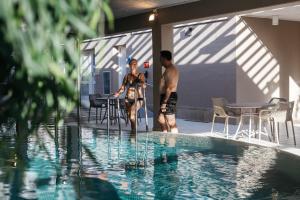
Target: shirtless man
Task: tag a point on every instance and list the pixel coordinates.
(168, 94)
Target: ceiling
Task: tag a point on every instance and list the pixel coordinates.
(124, 8)
(290, 13)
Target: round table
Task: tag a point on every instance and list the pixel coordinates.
(248, 107)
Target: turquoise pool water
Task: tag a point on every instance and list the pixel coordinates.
(84, 163)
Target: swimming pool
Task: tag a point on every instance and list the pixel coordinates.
(83, 163)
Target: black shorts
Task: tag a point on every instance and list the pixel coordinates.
(171, 103)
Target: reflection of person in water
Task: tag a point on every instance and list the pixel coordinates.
(90, 185)
(166, 180)
(95, 187)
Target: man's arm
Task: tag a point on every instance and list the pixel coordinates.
(171, 79)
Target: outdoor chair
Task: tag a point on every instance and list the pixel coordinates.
(276, 100)
(279, 116)
(289, 117)
(220, 111)
(96, 103)
(274, 115)
(264, 115)
(272, 102)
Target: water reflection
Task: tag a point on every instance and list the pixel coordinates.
(81, 163)
(165, 177)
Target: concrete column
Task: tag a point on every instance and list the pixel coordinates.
(167, 37)
(156, 48)
(162, 39)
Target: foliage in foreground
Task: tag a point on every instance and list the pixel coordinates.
(39, 54)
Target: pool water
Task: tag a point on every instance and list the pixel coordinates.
(83, 163)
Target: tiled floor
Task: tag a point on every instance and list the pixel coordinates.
(204, 129)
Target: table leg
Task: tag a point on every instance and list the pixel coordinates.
(249, 132)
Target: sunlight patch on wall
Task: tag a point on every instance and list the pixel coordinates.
(222, 53)
(200, 59)
(184, 41)
(109, 65)
(257, 61)
(181, 53)
(107, 53)
(207, 43)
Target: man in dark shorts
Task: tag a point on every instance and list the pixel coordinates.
(168, 97)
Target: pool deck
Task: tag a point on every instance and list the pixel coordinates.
(204, 129)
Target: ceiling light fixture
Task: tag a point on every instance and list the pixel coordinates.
(153, 15)
(275, 20)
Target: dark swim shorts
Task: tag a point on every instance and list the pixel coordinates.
(171, 103)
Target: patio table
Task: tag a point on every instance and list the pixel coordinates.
(247, 110)
(111, 110)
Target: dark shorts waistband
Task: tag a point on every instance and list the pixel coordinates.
(171, 103)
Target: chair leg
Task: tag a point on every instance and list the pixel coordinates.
(213, 122)
(259, 130)
(226, 124)
(270, 139)
(224, 130)
(96, 115)
(105, 113)
(272, 129)
(100, 113)
(293, 131)
(287, 129)
(89, 114)
(278, 129)
(256, 127)
(238, 129)
(277, 132)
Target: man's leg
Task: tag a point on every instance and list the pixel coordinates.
(171, 120)
(162, 122)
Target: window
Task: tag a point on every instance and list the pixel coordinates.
(106, 82)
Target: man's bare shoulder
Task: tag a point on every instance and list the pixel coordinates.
(173, 71)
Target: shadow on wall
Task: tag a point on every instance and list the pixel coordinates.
(223, 59)
(256, 62)
(138, 45)
(199, 58)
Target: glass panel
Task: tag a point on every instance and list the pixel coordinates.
(106, 82)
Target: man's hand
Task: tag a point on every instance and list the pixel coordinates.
(163, 108)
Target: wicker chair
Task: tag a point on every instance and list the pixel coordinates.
(289, 117)
(95, 103)
(279, 116)
(265, 114)
(220, 111)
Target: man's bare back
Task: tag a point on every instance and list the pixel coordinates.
(169, 80)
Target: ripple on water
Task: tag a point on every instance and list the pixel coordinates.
(172, 167)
